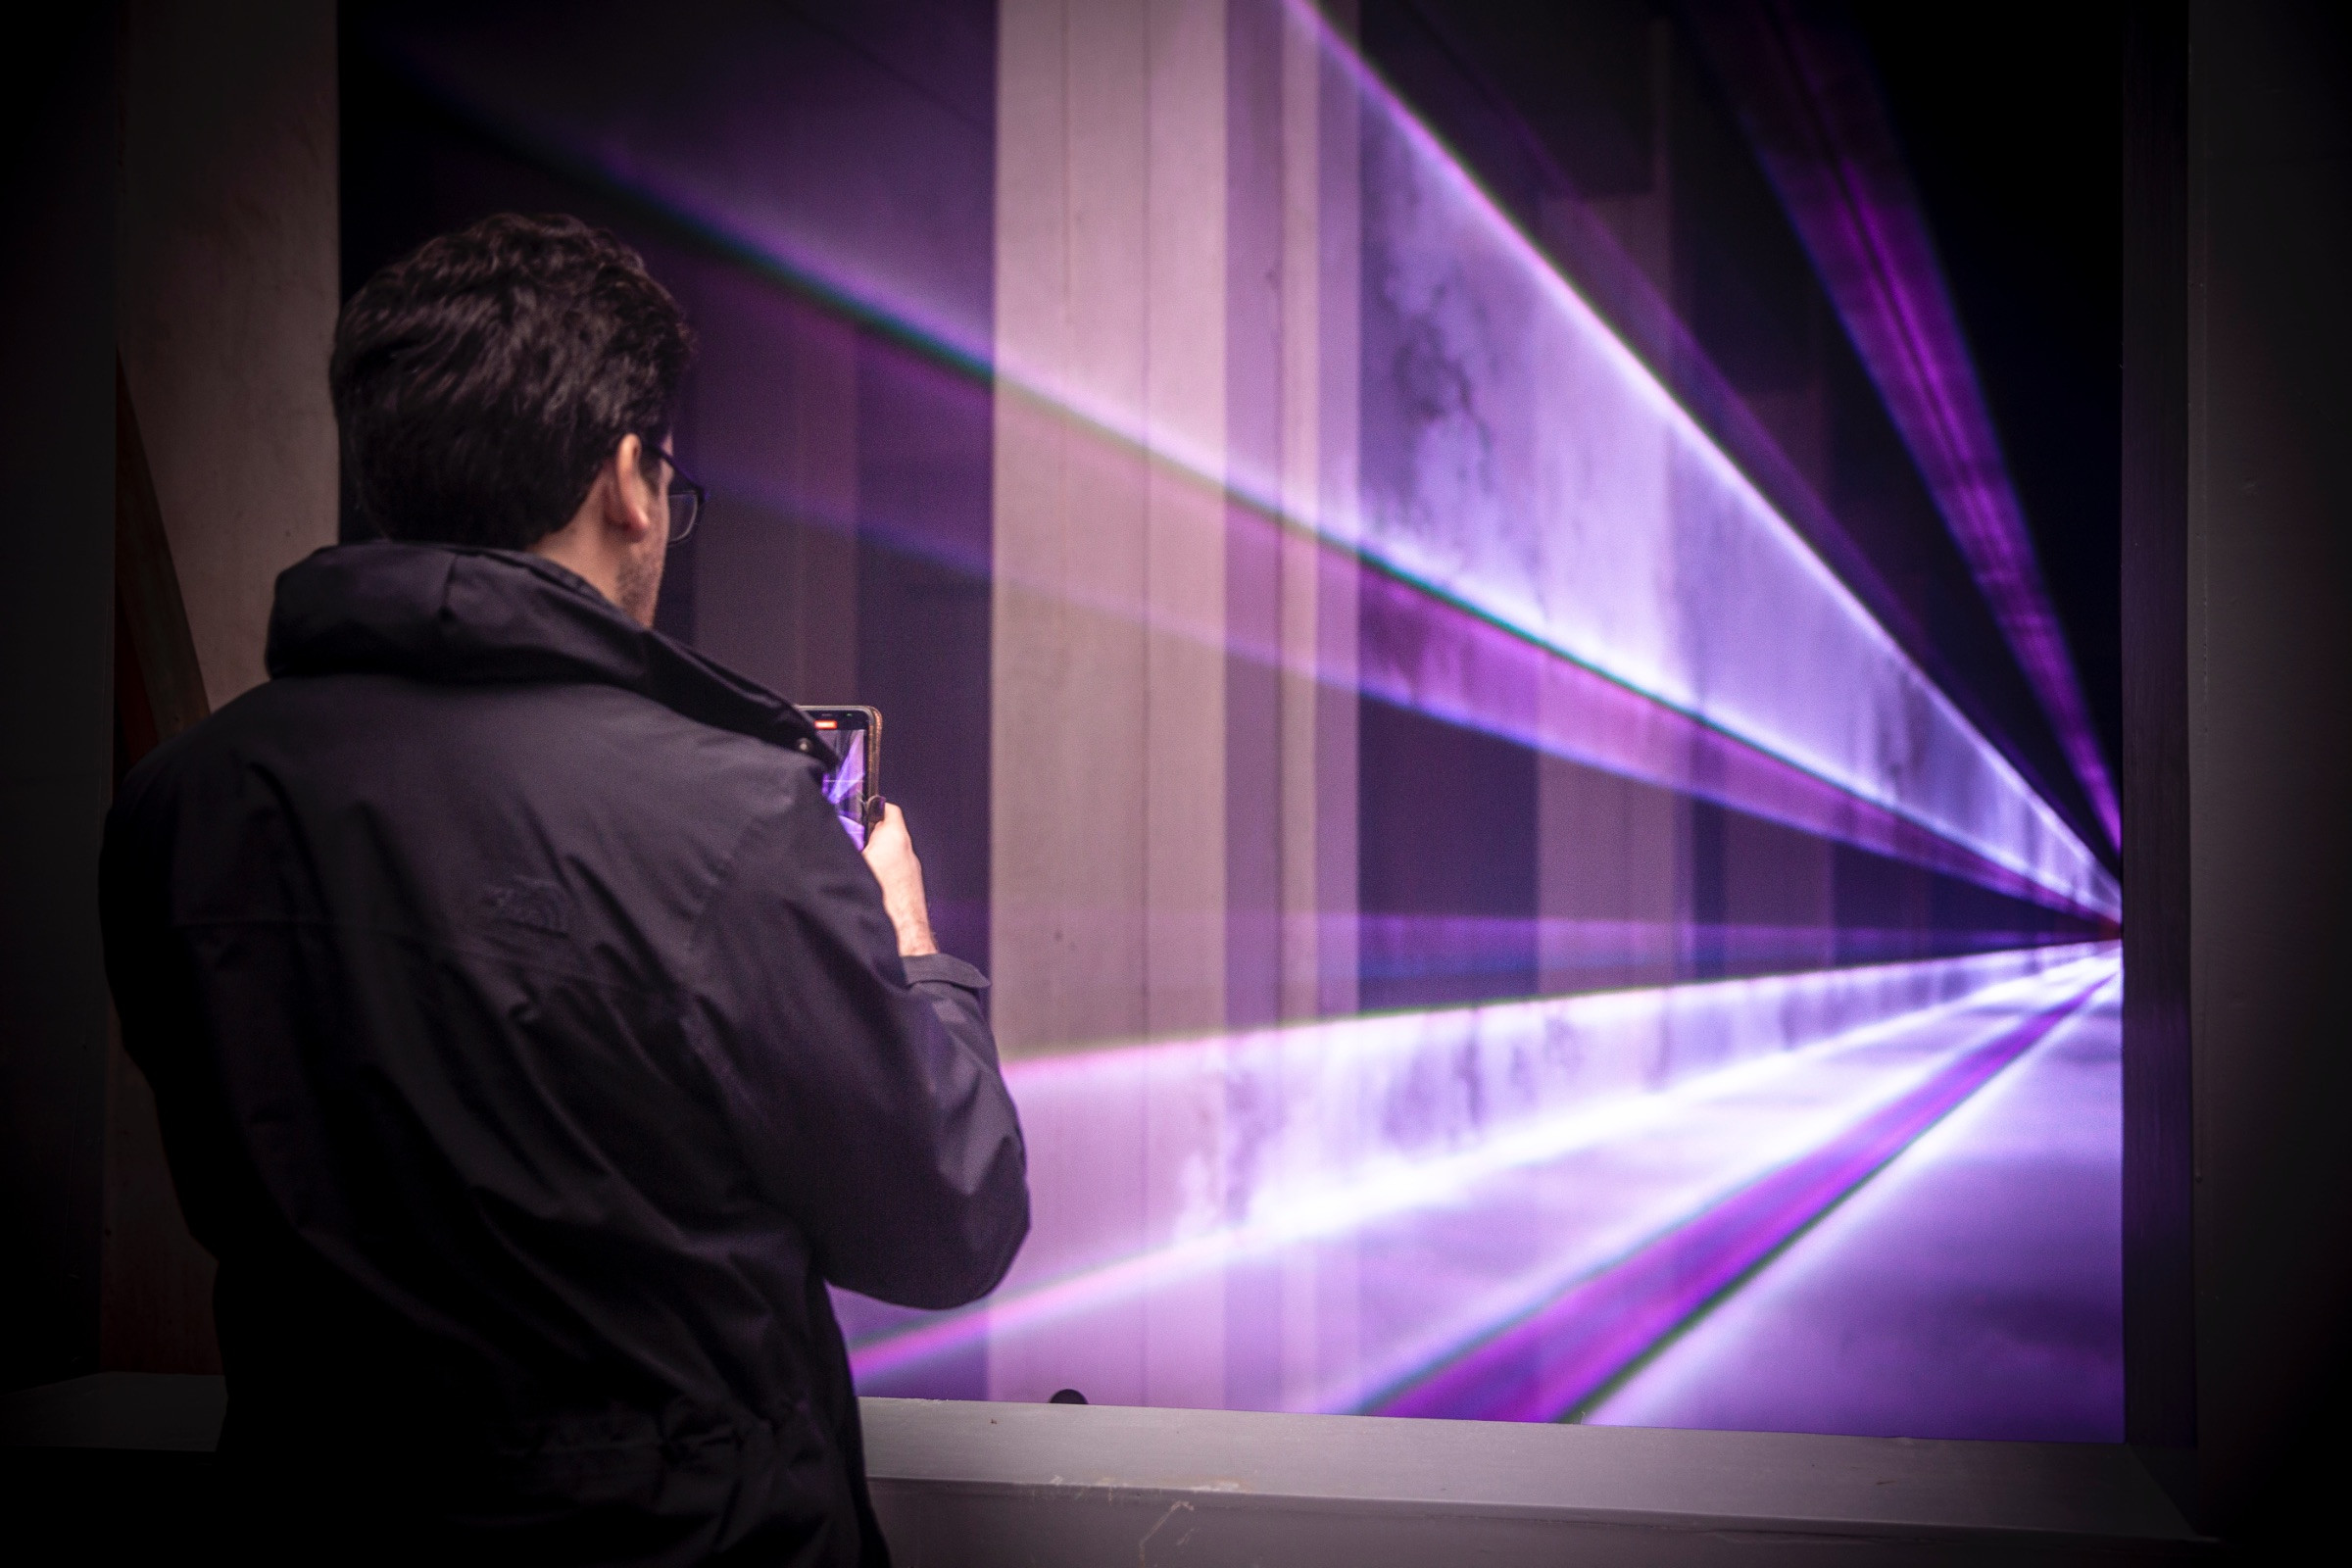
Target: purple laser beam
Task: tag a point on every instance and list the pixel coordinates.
(1548, 1363)
(1812, 113)
(1427, 653)
(1327, 1128)
(1905, 750)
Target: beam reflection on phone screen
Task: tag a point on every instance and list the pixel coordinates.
(845, 786)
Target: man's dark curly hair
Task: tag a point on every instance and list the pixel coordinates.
(480, 381)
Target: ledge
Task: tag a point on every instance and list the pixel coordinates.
(1051, 1485)
(984, 1484)
(146, 1412)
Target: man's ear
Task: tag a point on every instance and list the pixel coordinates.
(630, 508)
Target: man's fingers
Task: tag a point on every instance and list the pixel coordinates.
(889, 837)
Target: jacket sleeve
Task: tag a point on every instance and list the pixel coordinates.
(863, 1089)
(156, 1003)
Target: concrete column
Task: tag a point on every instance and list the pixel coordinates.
(227, 294)
(1321, 274)
(1175, 643)
(1614, 882)
(1642, 222)
(1614, 871)
(1173, 819)
(1184, 568)
(1108, 873)
(1293, 243)
(1107, 841)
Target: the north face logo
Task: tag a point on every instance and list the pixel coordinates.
(530, 901)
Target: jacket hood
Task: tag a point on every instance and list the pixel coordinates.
(461, 615)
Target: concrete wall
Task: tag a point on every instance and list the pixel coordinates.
(57, 422)
(2270, 721)
(2239, 662)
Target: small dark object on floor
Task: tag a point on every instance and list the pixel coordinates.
(1066, 1397)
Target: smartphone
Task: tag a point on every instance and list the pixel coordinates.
(855, 785)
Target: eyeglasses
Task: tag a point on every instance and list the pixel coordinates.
(686, 495)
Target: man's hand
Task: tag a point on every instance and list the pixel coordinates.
(890, 853)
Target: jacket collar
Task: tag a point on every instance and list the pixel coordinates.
(457, 614)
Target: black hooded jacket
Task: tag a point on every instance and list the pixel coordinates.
(531, 1045)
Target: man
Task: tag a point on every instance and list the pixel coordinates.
(531, 1043)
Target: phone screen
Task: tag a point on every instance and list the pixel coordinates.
(852, 733)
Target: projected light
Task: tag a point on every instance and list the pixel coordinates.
(1549, 1363)
(1423, 651)
(1256, 1147)
(1417, 947)
(1998, 1230)
(1519, 455)
(1519, 460)
(1475, 1210)
(1804, 89)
